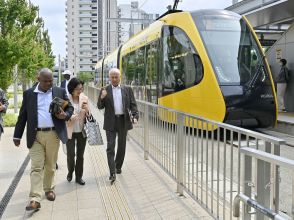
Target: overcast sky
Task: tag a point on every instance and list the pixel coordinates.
(53, 12)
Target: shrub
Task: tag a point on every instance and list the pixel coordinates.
(11, 106)
(9, 95)
(10, 119)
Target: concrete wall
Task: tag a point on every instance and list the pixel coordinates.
(284, 48)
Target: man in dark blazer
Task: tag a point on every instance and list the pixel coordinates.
(44, 132)
(120, 114)
(67, 74)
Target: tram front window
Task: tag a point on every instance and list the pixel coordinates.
(234, 53)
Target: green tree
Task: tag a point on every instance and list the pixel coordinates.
(85, 76)
(23, 41)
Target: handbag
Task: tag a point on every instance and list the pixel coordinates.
(93, 131)
(56, 104)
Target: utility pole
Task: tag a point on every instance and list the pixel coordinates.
(59, 70)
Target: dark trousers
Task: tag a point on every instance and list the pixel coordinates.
(77, 166)
(121, 133)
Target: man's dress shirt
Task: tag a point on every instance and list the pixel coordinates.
(44, 100)
(117, 99)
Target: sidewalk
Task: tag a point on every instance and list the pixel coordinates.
(11, 159)
(142, 191)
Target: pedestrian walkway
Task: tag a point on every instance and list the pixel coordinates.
(142, 191)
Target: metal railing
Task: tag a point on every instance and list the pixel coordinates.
(213, 162)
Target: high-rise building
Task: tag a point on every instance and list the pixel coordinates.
(91, 32)
(82, 35)
(136, 20)
(111, 41)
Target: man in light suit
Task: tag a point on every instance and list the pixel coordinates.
(120, 114)
(44, 132)
(3, 108)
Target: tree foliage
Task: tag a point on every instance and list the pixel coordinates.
(85, 76)
(23, 41)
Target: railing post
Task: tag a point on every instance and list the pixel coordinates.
(87, 89)
(180, 153)
(276, 199)
(95, 98)
(264, 183)
(146, 131)
(292, 211)
(247, 184)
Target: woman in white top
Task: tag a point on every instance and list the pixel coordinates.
(75, 130)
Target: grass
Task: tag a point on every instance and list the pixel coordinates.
(10, 119)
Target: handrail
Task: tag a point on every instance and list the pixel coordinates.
(252, 203)
(277, 160)
(265, 137)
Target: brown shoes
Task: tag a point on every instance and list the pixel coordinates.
(50, 195)
(33, 205)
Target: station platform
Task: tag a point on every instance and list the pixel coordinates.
(142, 191)
(285, 123)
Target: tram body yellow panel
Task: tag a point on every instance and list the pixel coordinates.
(99, 64)
(111, 57)
(152, 33)
(204, 99)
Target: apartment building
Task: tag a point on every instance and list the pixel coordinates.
(91, 34)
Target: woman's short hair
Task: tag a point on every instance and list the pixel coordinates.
(72, 84)
(283, 61)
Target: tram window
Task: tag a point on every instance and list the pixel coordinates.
(182, 66)
(134, 69)
(236, 58)
(151, 72)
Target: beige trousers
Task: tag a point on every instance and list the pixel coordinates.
(43, 156)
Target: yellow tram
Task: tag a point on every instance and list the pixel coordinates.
(207, 63)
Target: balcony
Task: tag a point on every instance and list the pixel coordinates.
(85, 16)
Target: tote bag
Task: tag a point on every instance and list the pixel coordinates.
(93, 131)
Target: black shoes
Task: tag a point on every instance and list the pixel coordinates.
(80, 181)
(69, 177)
(112, 178)
(118, 171)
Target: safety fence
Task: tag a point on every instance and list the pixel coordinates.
(232, 172)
